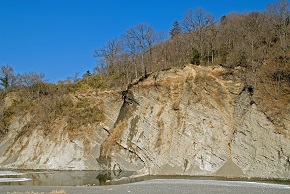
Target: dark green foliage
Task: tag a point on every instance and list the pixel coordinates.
(87, 74)
(195, 57)
(175, 30)
(282, 75)
(6, 76)
(223, 20)
(4, 82)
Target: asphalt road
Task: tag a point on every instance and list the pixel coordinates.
(164, 186)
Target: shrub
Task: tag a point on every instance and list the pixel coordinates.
(195, 57)
(83, 114)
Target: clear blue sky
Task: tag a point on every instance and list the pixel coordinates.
(58, 37)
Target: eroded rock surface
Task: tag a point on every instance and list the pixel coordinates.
(59, 149)
(184, 121)
(192, 121)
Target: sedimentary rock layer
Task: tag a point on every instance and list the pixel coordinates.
(194, 121)
(184, 121)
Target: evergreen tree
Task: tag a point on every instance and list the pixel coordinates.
(6, 76)
(175, 30)
(87, 74)
(195, 58)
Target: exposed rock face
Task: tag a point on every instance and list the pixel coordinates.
(189, 121)
(60, 149)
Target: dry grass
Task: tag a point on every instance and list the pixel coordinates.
(47, 109)
(83, 113)
(219, 72)
(115, 136)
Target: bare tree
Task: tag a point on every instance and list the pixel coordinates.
(197, 19)
(196, 22)
(279, 13)
(34, 82)
(131, 49)
(252, 27)
(31, 78)
(140, 40)
(230, 42)
(109, 53)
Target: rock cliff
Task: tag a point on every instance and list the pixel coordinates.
(24, 147)
(184, 121)
(194, 121)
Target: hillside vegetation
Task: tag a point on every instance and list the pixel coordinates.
(254, 47)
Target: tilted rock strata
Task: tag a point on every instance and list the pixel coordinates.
(191, 121)
(187, 121)
(60, 149)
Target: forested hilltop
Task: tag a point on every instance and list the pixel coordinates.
(253, 47)
(256, 41)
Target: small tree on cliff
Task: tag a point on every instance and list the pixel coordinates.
(7, 76)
